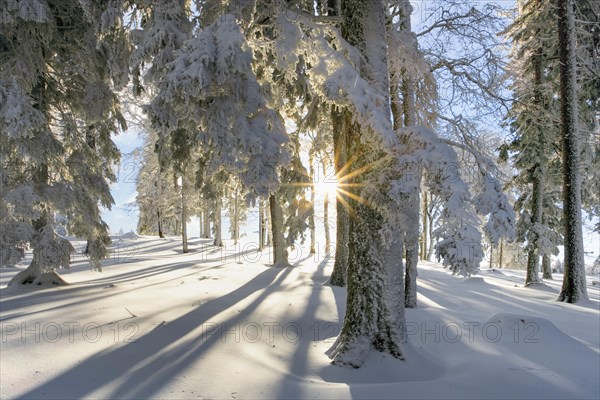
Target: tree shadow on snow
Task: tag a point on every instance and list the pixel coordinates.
(144, 367)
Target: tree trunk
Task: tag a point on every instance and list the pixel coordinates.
(340, 267)
(183, 217)
(574, 282)
(369, 321)
(425, 230)
(413, 204)
(501, 253)
(410, 281)
(261, 225)
(200, 224)
(178, 213)
(326, 214)
(431, 237)
(161, 234)
(311, 219)
(374, 316)
(217, 224)
(411, 237)
(235, 218)
(537, 191)
(267, 224)
(280, 256)
(206, 221)
(546, 267)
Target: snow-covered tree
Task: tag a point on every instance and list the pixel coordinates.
(158, 198)
(374, 310)
(203, 98)
(532, 120)
(62, 64)
(416, 100)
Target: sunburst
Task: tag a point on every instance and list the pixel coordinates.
(343, 185)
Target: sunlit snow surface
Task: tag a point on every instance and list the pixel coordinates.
(221, 323)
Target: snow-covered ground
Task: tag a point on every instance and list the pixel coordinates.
(223, 324)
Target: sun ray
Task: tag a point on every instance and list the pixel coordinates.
(340, 174)
(345, 204)
(353, 196)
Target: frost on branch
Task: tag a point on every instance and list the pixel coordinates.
(501, 216)
(211, 90)
(460, 249)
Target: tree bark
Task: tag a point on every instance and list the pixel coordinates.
(217, 224)
(161, 234)
(261, 225)
(431, 246)
(546, 267)
(411, 237)
(206, 221)
(183, 217)
(425, 230)
(501, 253)
(235, 218)
(280, 256)
(537, 180)
(374, 316)
(413, 205)
(339, 274)
(201, 224)
(326, 213)
(574, 282)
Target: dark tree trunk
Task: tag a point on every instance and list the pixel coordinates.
(546, 267)
(184, 240)
(425, 230)
(339, 275)
(340, 124)
(326, 214)
(537, 180)
(280, 256)
(161, 234)
(311, 218)
(261, 225)
(206, 221)
(574, 282)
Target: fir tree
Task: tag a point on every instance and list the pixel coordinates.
(62, 65)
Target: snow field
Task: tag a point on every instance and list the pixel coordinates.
(210, 324)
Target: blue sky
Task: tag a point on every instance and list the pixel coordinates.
(123, 190)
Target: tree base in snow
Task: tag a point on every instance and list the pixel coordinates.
(410, 304)
(344, 353)
(353, 352)
(45, 279)
(338, 278)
